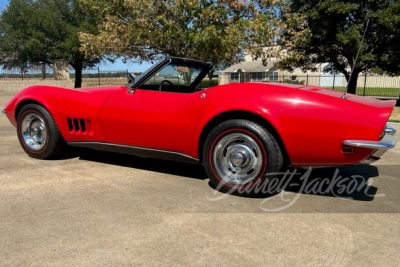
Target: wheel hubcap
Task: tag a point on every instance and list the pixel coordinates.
(238, 159)
(34, 132)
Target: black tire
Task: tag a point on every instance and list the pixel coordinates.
(54, 143)
(255, 137)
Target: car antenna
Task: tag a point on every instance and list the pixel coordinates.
(355, 62)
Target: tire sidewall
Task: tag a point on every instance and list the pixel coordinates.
(51, 141)
(271, 162)
(20, 137)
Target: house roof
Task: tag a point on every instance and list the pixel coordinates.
(251, 66)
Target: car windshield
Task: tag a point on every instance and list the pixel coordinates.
(176, 74)
(141, 75)
(173, 74)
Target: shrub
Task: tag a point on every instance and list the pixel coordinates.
(206, 83)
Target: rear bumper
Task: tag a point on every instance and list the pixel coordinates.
(387, 142)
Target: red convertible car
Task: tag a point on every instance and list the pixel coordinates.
(239, 132)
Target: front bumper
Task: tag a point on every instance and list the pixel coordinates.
(387, 142)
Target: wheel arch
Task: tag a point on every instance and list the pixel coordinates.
(245, 115)
(25, 102)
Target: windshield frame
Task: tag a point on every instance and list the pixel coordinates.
(148, 74)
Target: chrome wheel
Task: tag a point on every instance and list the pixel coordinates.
(34, 132)
(238, 159)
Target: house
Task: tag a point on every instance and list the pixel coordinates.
(255, 71)
(250, 71)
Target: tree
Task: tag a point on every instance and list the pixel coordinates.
(19, 43)
(319, 31)
(215, 31)
(40, 31)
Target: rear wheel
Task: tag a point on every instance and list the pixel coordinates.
(238, 154)
(38, 133)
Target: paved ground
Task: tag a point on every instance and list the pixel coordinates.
(103, 209)
(395, 114)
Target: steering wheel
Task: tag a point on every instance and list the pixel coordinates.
(164, 81)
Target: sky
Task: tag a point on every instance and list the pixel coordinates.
(3, 4)
(116, 66)
(119, 65)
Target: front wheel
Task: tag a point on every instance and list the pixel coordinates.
(238, 155)
(38, 133)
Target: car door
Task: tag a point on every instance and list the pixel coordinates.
(153, 119)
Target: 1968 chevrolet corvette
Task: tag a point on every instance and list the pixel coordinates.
(240, 132)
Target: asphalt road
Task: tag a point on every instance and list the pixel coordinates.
(103, 209)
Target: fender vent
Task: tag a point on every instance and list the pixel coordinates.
(76, 125)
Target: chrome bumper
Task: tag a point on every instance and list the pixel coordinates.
(3, 111)
(387, 142)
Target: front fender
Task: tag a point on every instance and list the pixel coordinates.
(27, 95)
(64, 103)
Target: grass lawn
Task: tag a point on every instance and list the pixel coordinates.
(101, 83)
(374, 91)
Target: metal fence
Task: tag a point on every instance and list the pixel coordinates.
(95, 77)
(32, 73)
(90, 77)
(369, 85)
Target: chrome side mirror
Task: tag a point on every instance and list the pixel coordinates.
(131, 78)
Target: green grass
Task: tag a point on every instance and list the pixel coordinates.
(374, 91)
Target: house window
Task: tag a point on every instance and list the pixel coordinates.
(234, 77)
(257, 76)
(273, 76)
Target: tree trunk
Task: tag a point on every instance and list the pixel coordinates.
(78, 75)
(353, 82)
(188, 77)
(43, 70)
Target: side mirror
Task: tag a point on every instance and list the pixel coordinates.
(210, 74)
(131, 78)
(131, 90)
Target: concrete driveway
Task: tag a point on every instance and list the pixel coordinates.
(103, 209)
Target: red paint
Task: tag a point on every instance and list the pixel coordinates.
(312, 122)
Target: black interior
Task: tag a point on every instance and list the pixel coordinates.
(166, 87)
